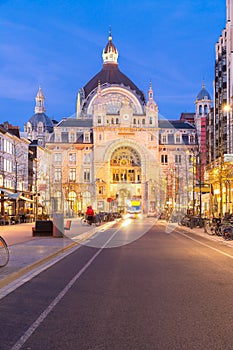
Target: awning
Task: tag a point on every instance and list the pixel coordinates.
(15, 196)
(26, 199)
(9, 194)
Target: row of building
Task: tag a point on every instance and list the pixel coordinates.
(116, 150)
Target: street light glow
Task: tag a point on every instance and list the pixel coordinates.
(227, 108)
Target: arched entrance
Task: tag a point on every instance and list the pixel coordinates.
(125, 176)
(125, 165)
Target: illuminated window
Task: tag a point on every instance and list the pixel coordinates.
(72, 174)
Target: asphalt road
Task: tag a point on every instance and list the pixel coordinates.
(153, 290)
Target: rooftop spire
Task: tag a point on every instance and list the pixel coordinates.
(110, 33)
(150, 92)
(110, 53)
(39, 108)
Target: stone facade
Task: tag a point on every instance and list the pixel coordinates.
(114, 151)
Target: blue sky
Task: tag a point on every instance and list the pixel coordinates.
(58, 45)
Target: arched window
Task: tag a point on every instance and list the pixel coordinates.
(40, 128)
(134, 121)
(205, 109)
(200, 109)
(143, 121)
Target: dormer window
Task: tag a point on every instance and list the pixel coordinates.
(40, 128)
(86, 138)
(164, 138)
(178, 138)
(72, 137)
(191, 138)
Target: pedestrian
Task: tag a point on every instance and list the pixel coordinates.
(90, 215)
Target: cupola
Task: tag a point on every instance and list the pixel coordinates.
(110, 53)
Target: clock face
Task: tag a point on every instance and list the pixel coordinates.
(125, 117)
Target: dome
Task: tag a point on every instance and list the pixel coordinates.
(203, 94)
(110, 47)
(111, 74)
(41, 117)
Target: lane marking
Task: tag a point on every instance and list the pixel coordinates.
(206, 245)
(22, 340)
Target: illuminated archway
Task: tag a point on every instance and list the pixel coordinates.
(125, 165)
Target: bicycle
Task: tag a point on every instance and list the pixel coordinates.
(4, 253)
(95, 221)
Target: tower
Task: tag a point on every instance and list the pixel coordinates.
(40, 126)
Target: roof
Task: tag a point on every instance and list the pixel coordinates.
(74, 122)
(11, 129)
(203, 94)
(110, 47)
(41, 117)
(110, 73)
(175, 124)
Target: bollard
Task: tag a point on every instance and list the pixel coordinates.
(58, 225)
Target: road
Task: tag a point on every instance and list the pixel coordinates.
(134, 286)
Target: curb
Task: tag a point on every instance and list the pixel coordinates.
(15, 275)
(83, 237)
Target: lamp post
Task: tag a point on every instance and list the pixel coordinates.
(36, 189)
(200, 182)
(193, 187)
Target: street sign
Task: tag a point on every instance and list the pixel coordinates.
(204, 188)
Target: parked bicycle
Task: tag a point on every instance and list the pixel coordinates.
(96, 221)
(219, 227)
(4, 253)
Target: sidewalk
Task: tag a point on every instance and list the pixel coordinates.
(28, 252)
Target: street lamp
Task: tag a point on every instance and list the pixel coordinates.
(200, 181)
